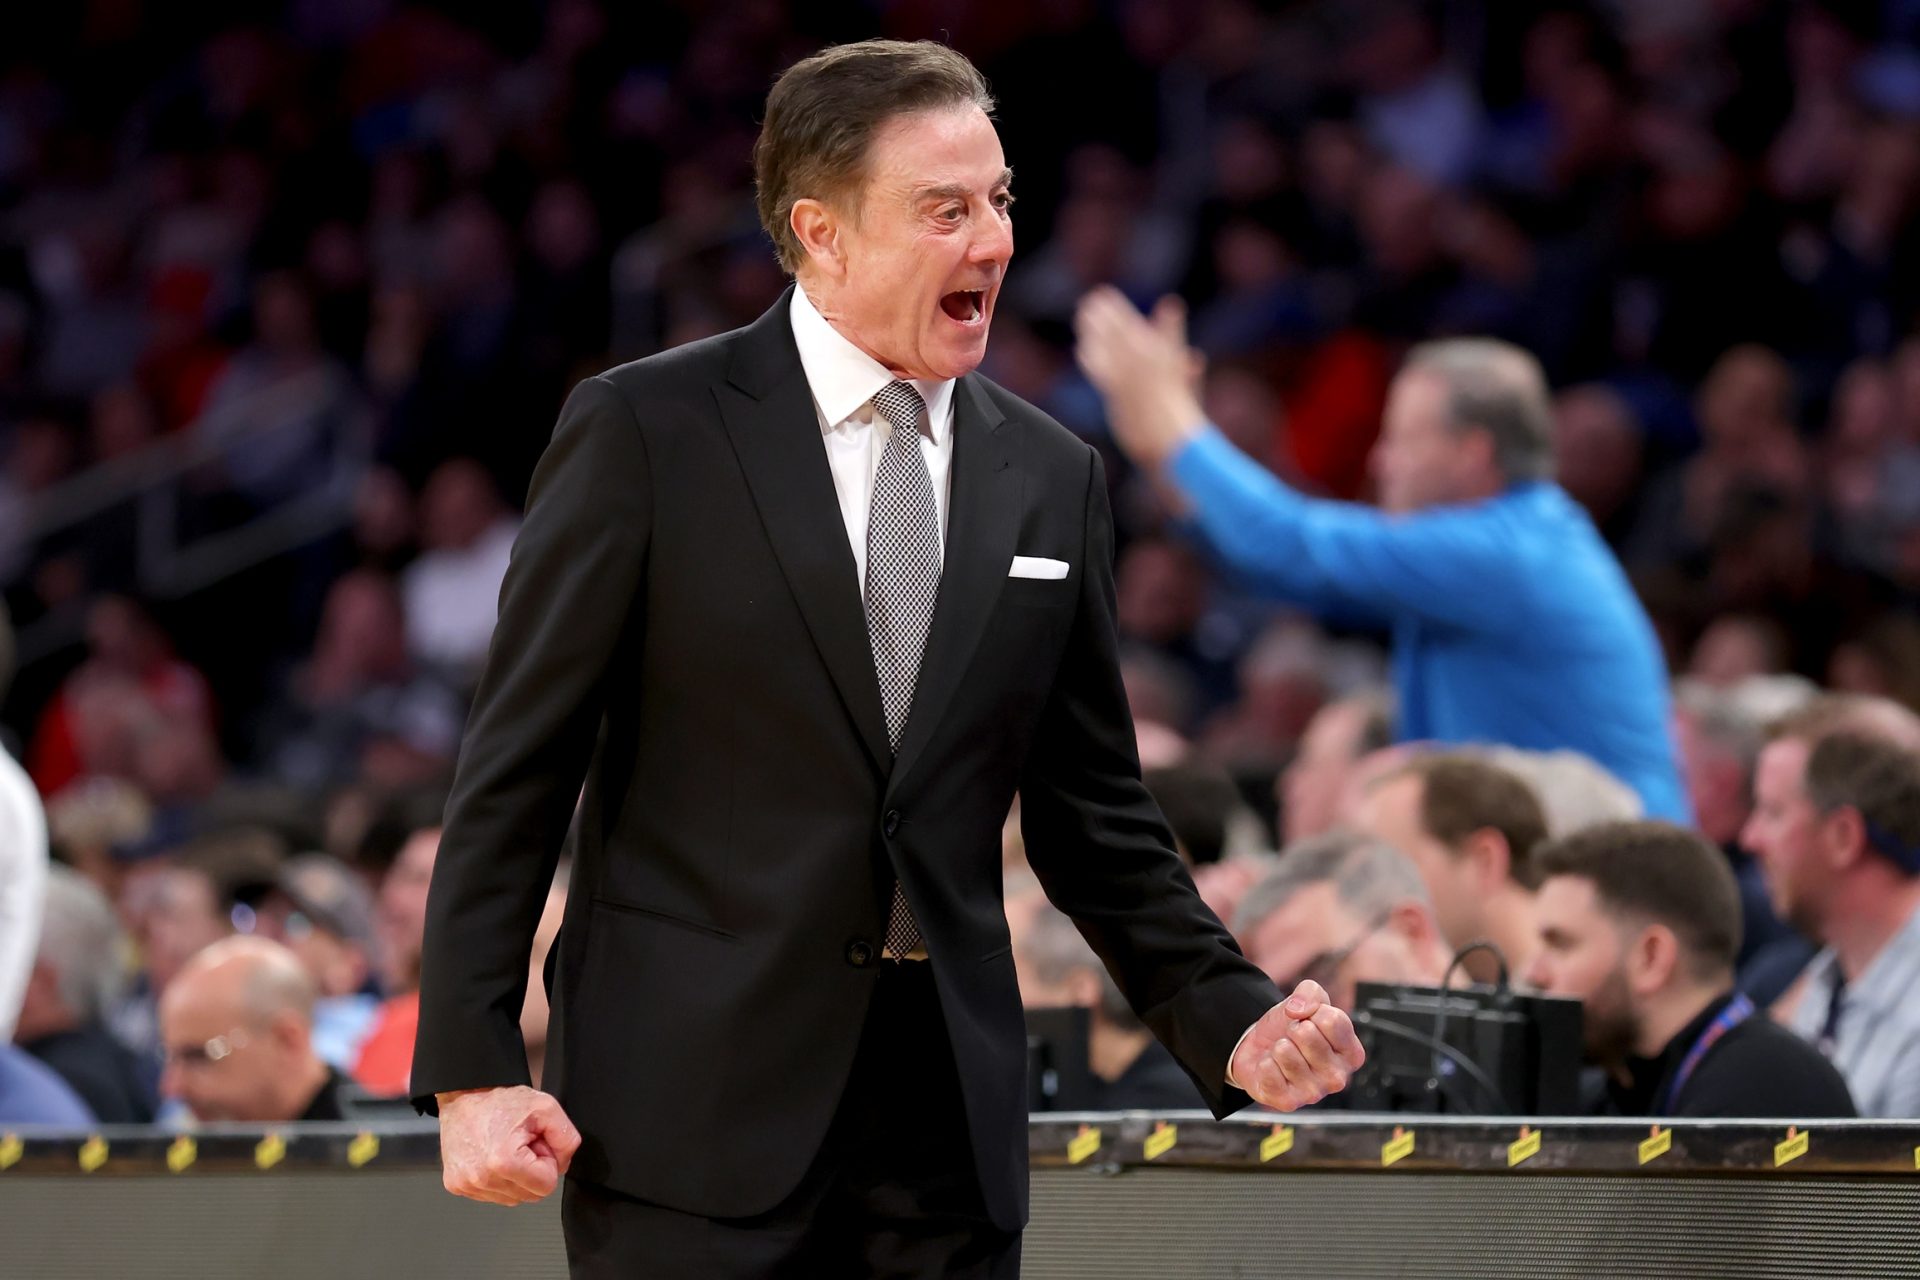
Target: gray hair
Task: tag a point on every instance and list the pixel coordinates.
(1055, 948)
(1575, 791)
(1369, 877)
(1719, 717)
(1498, 387)
(81, 943)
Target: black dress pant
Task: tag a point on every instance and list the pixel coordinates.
(892, 1194)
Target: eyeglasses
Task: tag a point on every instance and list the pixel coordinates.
(207, 1052)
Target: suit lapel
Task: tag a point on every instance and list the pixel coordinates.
(769, 414)
(983, 522)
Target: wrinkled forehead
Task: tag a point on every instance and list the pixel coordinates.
(943, 151)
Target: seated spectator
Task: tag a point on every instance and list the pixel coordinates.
(360, 708)
(1470, 828)
(453, 589)
(1836, 829)
(1720, 735)
(76, 976)
(1314, 785)
(1342, 909)
(1641, 922)
(323, 913)
(386, 1055)
(1130, 1069)
(173, 913)
(32, 1093)
(237, 1024)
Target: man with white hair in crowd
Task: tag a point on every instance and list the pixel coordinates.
(1720, 732)
(1342, 909)
(77, 974)
(236, 1024)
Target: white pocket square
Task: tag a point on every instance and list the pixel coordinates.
(1037, 567)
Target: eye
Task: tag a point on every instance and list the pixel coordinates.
(952, 213)
(1003, 201)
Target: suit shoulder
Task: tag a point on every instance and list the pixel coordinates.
(1051, 442)
(688, 367)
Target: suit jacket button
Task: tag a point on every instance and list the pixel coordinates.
(860, 953)
(892, 824)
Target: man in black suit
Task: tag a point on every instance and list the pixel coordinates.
(805, 605)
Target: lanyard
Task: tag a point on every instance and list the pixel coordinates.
(1738, 1010)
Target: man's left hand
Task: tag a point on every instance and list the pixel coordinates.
(1301, 1051)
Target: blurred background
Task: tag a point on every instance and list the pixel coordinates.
(291, 293)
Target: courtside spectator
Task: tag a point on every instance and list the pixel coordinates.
(237, 1029)
(322, 911)
(400, 920)
(1342, 909)
(1131, 1070)
(1641, 922)
(1836, 829)
(76, 978)
(1470, 827)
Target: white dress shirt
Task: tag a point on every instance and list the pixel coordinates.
(844, 379)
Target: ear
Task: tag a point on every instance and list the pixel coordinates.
(1842, 837)
(1652, 959)
(1486, 851)
(1415, 923)
(290, 1033)
(816, 225)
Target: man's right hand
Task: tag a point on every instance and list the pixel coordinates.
(508, 1145)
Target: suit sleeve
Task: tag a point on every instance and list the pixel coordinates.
(1102, 850)
(576, 572)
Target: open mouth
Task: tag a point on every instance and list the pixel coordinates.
(965, 306)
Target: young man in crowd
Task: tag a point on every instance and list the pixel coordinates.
(1640, 921)
(1470, 827)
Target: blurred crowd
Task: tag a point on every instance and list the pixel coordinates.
(290, 294)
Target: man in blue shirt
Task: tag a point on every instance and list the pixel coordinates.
(1511, 620)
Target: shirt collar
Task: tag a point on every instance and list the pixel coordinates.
(844, 378)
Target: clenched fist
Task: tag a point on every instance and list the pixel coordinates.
(508, 1145)
(1301, 1051)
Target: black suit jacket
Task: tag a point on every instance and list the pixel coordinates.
(682, 627)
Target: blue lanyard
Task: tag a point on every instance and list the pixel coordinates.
(1738, 1010)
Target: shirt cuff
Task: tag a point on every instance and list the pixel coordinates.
(1236, 1053)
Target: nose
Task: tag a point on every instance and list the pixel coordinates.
(994, 244)
(1537, 975)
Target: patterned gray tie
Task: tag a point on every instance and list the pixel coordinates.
(903, 579)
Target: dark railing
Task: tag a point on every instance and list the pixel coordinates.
(1114, 1196)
